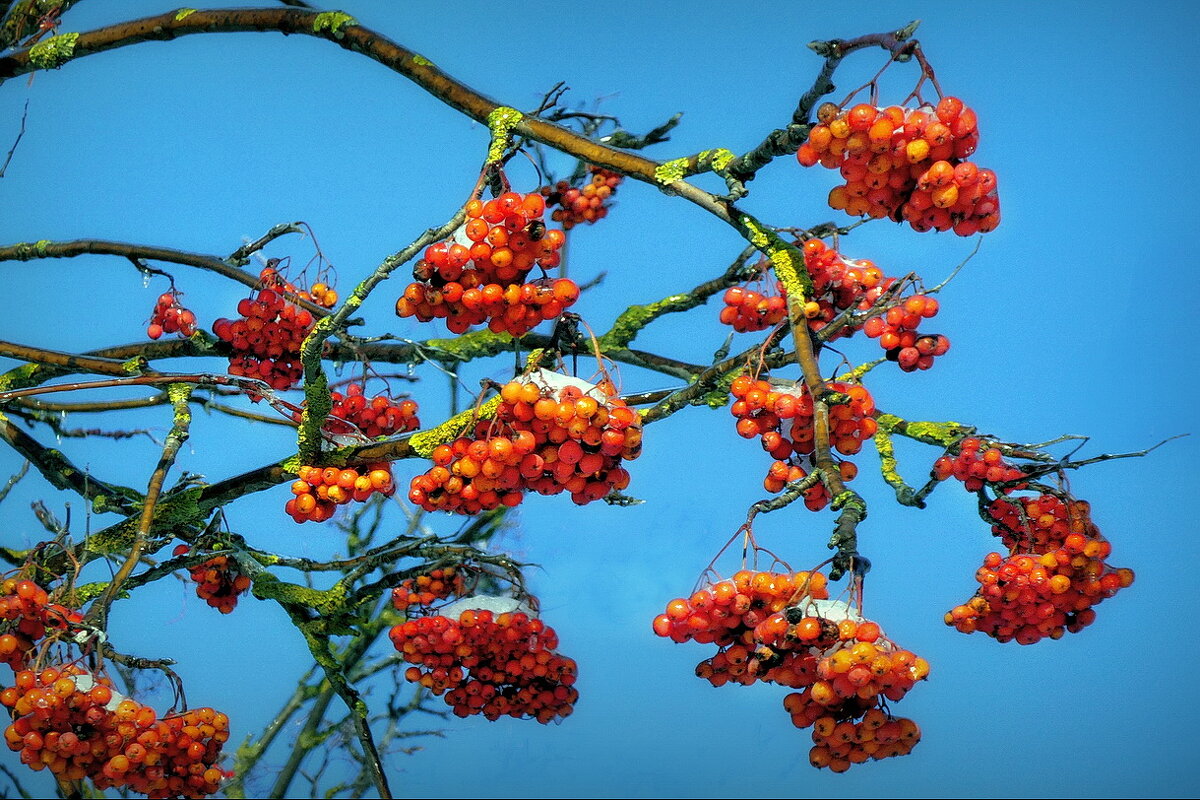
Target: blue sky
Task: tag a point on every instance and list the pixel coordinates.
(1072, 318)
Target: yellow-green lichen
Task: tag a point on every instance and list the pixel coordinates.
(53, 52)
(848, 497)
(135, 365)
(21, 377)
(87, 593)
(333, 21)
(468, 346)
(423, 443)
(668, 172)
(887, 459)
(631, 321)
(183, 14)
(943, 434)
(501, 122)
(179, 394)
(718, 159)
(785, 258)
(421, 61)
(268, 587)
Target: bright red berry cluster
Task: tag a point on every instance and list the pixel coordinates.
(550, 434)
(425, 590)
(320, 490)
(897, 332)
(762, 408)
(749, 310)
(496, 660)
(781, 628)
(906, 164)
(370, 416)
(77, 726)
(729, 611)
(978, 463)
(840, 284)
(586, 204)
(1054, 574)
(169, 316)
(25, 615)
(266, 339)
(480, 274)
(219, 582)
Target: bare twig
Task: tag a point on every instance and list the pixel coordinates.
(17, 141)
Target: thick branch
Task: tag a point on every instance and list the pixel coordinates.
(342, 30)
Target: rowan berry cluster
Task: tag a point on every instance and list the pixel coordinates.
(1053, 576)
(25, 615)
(762, 408)
(76, 725)
(781, 628)
(169, 316)
(840, 284)
(480, 274)
(749, 310)
(219, 581)
(906, 164)
(353, 412)
(320, 490)
(586, 204)
(896, 330)
(878, 735)
(489, 656)
(550, 434)
(728, 612)
(978, 462)
(266, 339)
(427, 589)
(323, 294)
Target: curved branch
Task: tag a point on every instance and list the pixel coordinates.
(342, 30)
(26, 251)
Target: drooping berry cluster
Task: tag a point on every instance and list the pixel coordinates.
(840, 284)
(762, 408)
(266, 339)
(781, 628)
(727, 612)
(906, 164)
(1054, 574)
(370, 416)
(320, 490)
(749, 310)
(550, 434)
(323, 294)
(586, 204)
(839, 745)
(489, 656)
(480, 274)
(978, 463)
(26, 614)
(219, 582)
(77, 726)
(897, 332)
(169, 316)
(425, 590)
